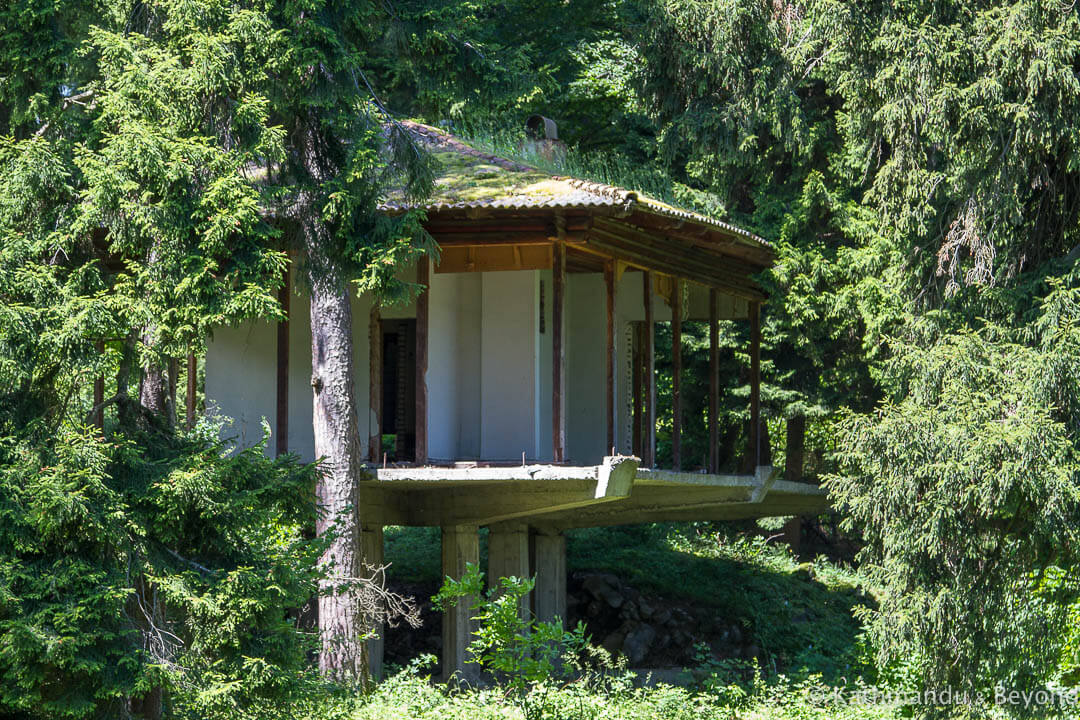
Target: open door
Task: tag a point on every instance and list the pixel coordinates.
(399, 390)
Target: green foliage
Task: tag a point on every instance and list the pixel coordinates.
(965, 488)
(135, 563)
(519, 650)
(412, 694)
(799, 614)
(915, 164)
(152, 159)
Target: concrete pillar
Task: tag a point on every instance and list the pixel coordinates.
(549, 565)
(460, 546)
(371, 549)
(508, 554)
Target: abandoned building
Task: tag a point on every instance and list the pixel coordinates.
(517, 392)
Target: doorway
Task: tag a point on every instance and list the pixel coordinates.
(399, 390)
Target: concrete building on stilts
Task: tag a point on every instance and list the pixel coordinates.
(517, 392)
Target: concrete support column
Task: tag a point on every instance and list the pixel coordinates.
(549, 565)
(508, 554)
(460, 547)
(371, 549)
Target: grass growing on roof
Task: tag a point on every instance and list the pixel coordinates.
(464, 178)
(595, 166)
(458, 179)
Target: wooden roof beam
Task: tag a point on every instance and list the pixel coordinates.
(661, 260)
(490, 239)
(692, 248)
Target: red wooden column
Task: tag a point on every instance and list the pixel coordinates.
(192, 385)
(676, 375)
(281, 444)
(423, 277)
(558, 354)
(755, 382)
(648, 440)
(375, 362)
(609, 281)
(714, 383)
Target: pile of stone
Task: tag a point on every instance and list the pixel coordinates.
(650, 630)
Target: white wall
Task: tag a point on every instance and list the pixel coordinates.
(509, 363)
(301, 399)
(489, 368)
(470, 299)
(241, 377)
(241, 374)
(586, 373)
(444, 368)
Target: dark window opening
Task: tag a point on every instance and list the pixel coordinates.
(399, 390)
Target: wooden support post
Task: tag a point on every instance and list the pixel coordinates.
(460, 547)
(755, 383)
(714, 383)
(375, 359)
(558, 354)
(549, 566)
(676, 375)
(612, 417)
(648, 440)
(99, 392)
(508, 555)
(635, 385)
(423, 274)
(371, 555)
(281, 443)
(192, 385)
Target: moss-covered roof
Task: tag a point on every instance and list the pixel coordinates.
(470, 178)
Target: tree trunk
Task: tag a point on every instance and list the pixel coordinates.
(750, 459)
(796, 444)
(154, 394)
(154, 382)
(337, 441)
(147, 612)
(793, 471)
(126, 416)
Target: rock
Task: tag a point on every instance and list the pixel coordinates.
(613, 642)
(662, 617)
(602, 587)
(637, 643)
(644, 608)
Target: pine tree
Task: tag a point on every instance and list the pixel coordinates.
(160, 160)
